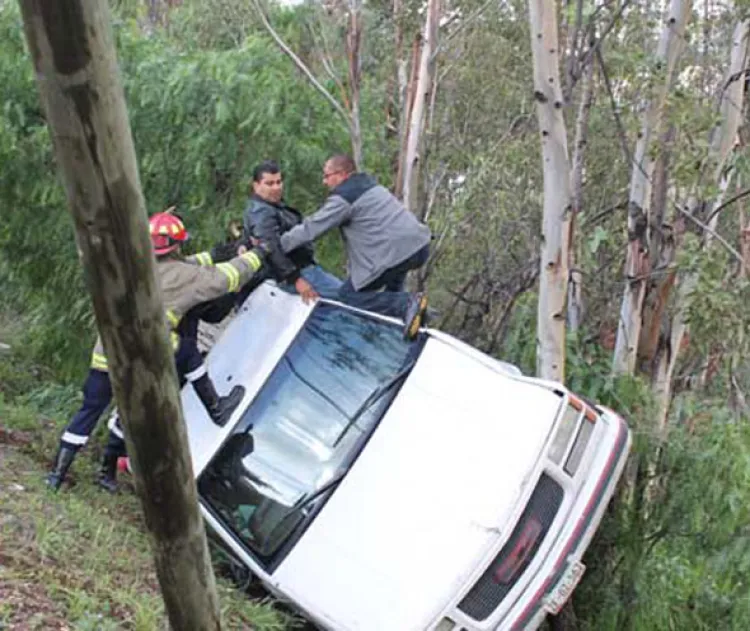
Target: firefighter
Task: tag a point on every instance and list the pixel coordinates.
(185, 284)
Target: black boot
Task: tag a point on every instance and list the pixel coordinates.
(108, 473)
(219, 408)
(65, 456)
(415, 311)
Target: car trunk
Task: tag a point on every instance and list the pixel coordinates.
(436, 486)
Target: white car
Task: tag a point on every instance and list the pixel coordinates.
(378, 484)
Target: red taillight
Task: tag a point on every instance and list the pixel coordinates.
(506, 571)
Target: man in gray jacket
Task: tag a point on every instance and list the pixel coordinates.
(383, 240)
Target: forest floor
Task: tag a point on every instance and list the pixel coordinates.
(79, 559)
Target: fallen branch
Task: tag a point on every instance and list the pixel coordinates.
(301, 66)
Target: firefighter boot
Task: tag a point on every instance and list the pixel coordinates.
(219, 408)
(63, 460)
(108, 473)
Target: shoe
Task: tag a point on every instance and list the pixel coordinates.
(415, 311)
(218, 408)
(108, 473)
(226, 405)
(63, 460)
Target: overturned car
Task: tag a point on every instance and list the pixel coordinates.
(375, 483)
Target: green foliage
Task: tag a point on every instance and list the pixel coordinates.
(201, 119)
(685, 561)
(111, 584)
(210, 95)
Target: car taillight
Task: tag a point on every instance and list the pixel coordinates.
(507, 570)
(572, 424)
(446, 624)
(518, 552)
(579, 448)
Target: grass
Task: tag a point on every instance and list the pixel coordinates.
(79, 559)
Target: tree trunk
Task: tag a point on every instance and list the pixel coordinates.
(575, 285)
(353, 48)
(553, 270)
(722, 144)
(744, 235)
(412, 158)
(79, 83)
(637, 258)
(732, 98)
(405, 115)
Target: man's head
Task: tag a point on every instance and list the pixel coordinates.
(337, 169)
(267, 182)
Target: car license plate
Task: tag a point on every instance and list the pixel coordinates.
(564, 588)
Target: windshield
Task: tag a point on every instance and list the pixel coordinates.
(306, 425)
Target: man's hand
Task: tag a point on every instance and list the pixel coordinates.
(305, 290)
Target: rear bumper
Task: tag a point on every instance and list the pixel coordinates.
(530, 613)
(527, 605)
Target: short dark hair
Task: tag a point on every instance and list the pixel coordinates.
(343, 163)
(267, 166)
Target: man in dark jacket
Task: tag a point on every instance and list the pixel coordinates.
(384, 241)
(267, 218)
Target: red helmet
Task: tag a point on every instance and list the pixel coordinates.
(167, 232)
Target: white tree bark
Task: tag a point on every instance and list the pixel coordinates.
(575, 286)
(79, 83)
(637, 257)
(415, 133)
(553, 271)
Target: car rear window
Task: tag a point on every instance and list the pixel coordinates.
(297, 435)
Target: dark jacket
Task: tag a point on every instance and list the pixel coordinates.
(379, 233)
(268, 221)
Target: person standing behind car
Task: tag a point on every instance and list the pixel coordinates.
(384, 241)
(266, 218)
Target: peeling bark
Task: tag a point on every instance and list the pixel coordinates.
(637, 256)
(553, 264)
(723, 143)
(80, 88)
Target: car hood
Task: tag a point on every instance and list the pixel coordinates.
(435, 486)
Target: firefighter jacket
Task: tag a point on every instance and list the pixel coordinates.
(187, 282)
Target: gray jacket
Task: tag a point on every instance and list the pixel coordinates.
(378, 232)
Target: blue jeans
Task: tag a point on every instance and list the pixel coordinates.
(325, 283)
(393, 301)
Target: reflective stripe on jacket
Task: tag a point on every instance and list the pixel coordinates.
(191, 281)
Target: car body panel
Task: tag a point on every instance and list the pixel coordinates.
(410, 511)
(435, 493)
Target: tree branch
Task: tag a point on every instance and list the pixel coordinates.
(729, 202)
(301, 65)
(462, 25)
(595, 48)
(713, 233)
(620, 129)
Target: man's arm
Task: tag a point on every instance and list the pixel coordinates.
(268, 231)
(332, 214)
(208, 283)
